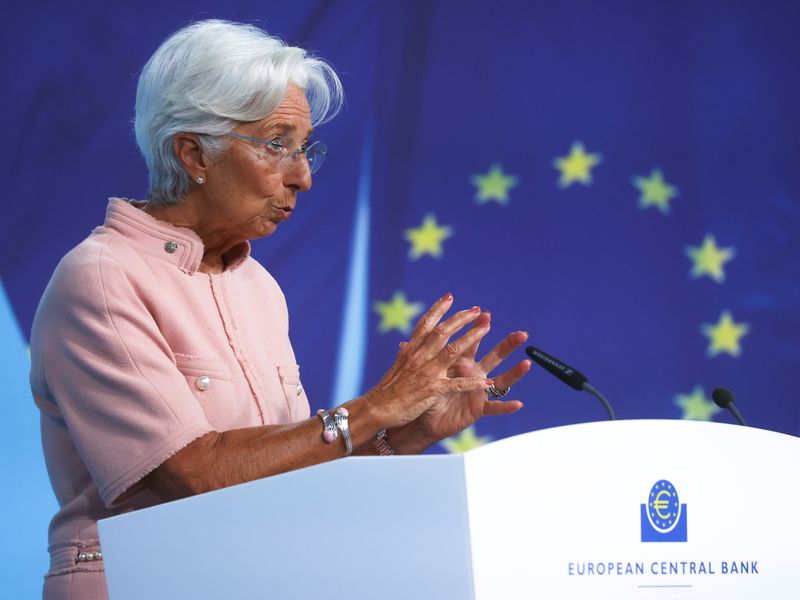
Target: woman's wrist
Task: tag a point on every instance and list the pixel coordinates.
(410, 438)
(370, 415)
(365, 421)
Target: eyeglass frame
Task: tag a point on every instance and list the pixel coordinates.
(321, 149)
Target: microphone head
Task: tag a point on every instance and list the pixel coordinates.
(722, 397)
(572, 377)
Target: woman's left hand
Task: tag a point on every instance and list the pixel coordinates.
(458, 411)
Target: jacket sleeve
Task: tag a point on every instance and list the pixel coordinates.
(100, 358)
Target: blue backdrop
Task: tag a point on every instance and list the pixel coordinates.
(618, 178)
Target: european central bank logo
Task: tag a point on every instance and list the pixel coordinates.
(663, 517)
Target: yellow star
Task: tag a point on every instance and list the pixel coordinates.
(655, 191)
(576, 166)
(725, 335)
(494, 185)
(697, 406)
(709, 259)
(397, 313)
(427, 238)
(466, 440)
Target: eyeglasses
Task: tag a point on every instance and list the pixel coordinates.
(315, 152)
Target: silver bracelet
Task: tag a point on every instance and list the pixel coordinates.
(340, 418)
(329, 430)
(382, 445)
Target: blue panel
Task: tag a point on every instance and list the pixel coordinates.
(27, 502)
(353, 337)
(408, 513)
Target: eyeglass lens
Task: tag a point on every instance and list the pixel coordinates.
(315, 154)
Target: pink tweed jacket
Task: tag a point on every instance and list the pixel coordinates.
(135, 353)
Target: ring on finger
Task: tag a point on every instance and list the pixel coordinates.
(495, 392)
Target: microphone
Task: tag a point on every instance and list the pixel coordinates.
(572, 377)
(723, 398)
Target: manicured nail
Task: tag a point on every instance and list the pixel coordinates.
(487, 325)
(475, 309)
(446, 297)
(489, 382)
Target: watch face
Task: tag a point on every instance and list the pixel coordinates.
(663, 506)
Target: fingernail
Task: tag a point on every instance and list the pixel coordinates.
(489, 382)
(487, 325)
(475, 309)
(446, 297)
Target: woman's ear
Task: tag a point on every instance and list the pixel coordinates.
(189, 151)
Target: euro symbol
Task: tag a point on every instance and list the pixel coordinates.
(662, 505)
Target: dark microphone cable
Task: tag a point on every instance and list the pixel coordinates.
(572, 377)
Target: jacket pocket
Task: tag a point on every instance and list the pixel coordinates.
(212, 385)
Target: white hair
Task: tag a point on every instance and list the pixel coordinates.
(211, 76)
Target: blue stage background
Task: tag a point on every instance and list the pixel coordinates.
(618, 178)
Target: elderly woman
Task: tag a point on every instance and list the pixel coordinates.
(161, 358)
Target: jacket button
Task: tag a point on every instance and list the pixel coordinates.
(170, 247)
(202, 382)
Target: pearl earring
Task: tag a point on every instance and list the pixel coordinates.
(200, 181)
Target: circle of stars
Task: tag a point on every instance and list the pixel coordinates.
(708, 259)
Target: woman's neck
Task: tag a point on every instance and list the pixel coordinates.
(185, 215)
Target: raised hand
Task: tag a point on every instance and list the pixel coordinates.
(421, 376)
(458, 410)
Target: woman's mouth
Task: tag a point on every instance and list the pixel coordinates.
(284, 213)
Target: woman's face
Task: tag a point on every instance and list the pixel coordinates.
(248, 190)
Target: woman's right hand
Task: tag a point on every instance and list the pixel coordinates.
(418, 377)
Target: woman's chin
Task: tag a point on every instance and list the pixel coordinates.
(266, 228)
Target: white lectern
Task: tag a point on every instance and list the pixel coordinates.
(626, 509)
